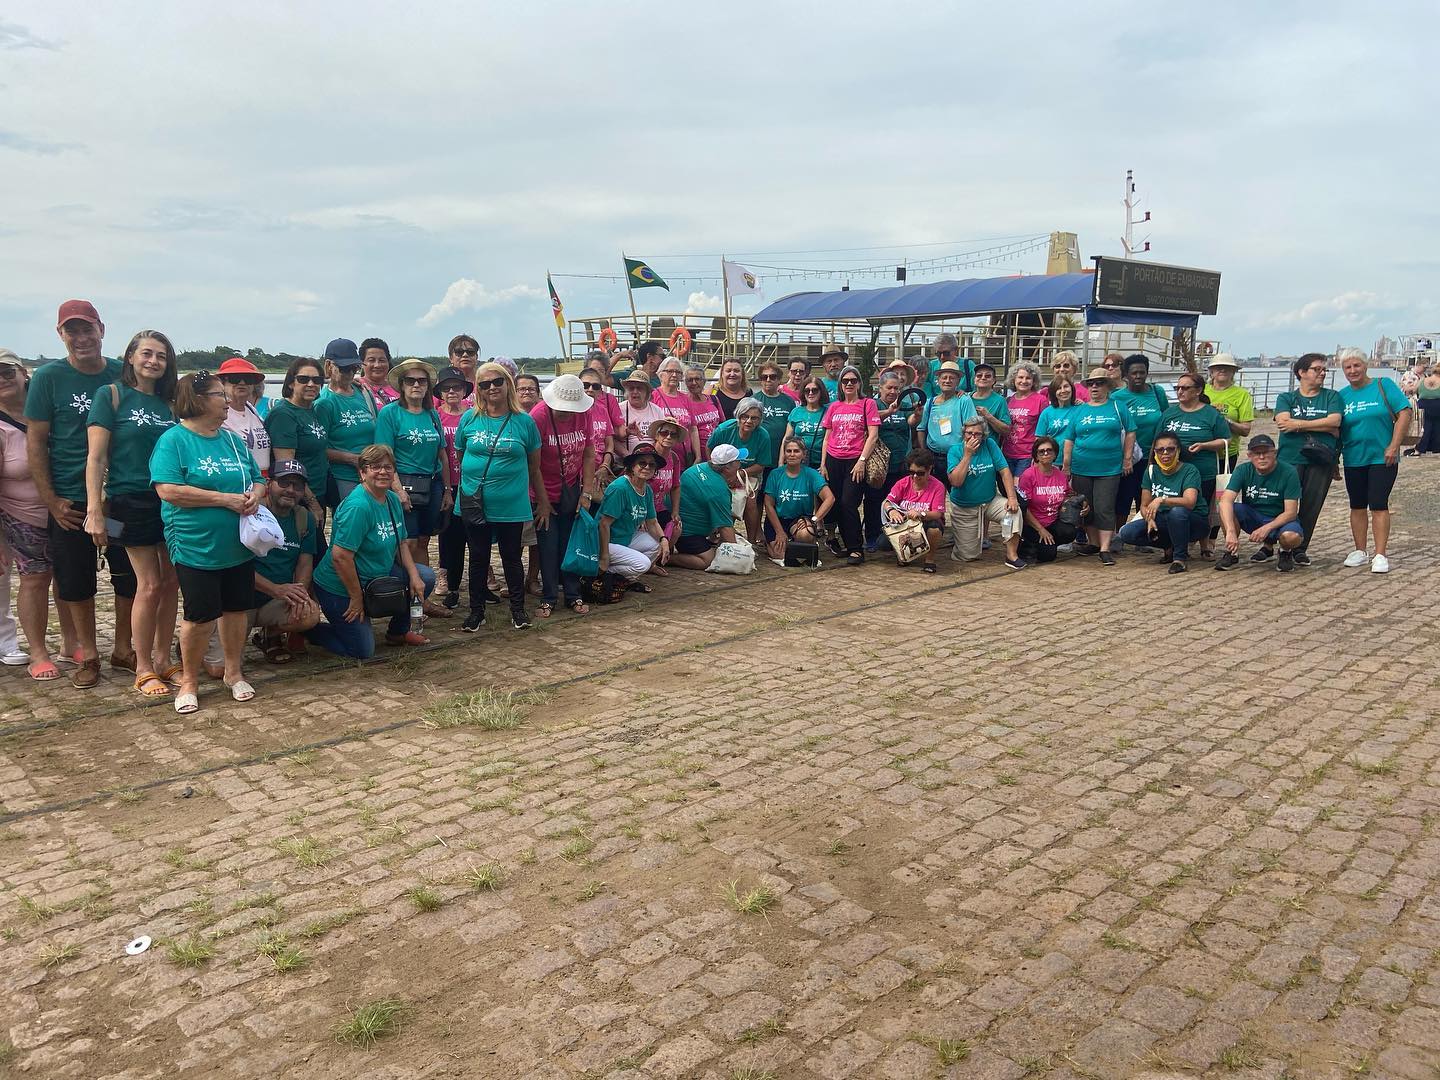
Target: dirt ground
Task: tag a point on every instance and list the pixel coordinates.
(1071, 822)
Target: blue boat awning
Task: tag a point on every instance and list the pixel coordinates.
(954, 299)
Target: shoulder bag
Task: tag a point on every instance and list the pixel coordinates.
(472, 507)
(418, 485)
(386, 597)
(569, 492)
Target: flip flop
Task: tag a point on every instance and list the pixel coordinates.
(149, 678)
(544, 611)
(43, 671)
(579, 607)
(171, 674)
(241, 690)
(185, 704)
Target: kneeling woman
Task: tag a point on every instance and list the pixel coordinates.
(207, 481)
(1043, 489)
(796, 499)
(919, 497)
(631, 540)
(1172, 508)
(367, 542)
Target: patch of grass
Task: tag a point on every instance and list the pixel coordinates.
(35, 911)
(489, 709)
(528, 857)
(1007, 780)
(191, 952)
(1386, 767)
(593, 889)
(756, 901)
(578, 847)
(370, 1023)
(1240, 1056)
(950, 1051)
(1111, 940)
(9, 934)
(837, 847)
(129, 795)
(56, 953)
(425, 898)
(749, 1073)
(306, 850)
(766, 1029)
(1036, 1066)
(322, 926)
(486, 878)
(262, 899)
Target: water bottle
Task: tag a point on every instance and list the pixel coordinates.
(417, 610)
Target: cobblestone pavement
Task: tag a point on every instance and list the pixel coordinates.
(1074, 822)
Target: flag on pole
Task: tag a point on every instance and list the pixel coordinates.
(640, 276)
(739, 280)
(555, 304)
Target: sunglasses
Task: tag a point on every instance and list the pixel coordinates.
(1044, 450)
(488, 384)
(309, 380)
(918, 473)
(1160, 450)
(944, 352)
(9, 372)
(769, 375)
(591, 387)
(466, 352)
(645, 465)
(812, 389)
(420, 380)
(293, 483)
(1096, 382)
(849, 382)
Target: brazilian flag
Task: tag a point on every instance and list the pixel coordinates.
(640, 276)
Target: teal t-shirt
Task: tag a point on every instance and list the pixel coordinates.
(704, 501)
(61, 397)
(203, 537)
(1055, 422)
(135, 427)
(981, 482)
(415, 438)
(628, 509)
(777, 414)
(278, 567)
(303, 432)
(1202, 425)
(805, 426)
(1265, 493)
(997, 407)
(932, 380)
(1146, 409)
(795, 496)
(895, 433)
(1326, 403)
(372, 530)
(757, 446)
(1175, 485)
(349, 421)
(1098, 432)
(1367, 423)
(944, 421)
(502, 445)
(832, 387)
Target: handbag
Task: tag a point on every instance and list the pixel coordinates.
(386, 597)
(260, 532)
(908, 538)
(733, 557)
(417, 486)
(878, 467)
(1222, 481)
(1136, 454)
(582, 553)
(1317, 452)
(801, 553)
(1073, 511)
(472, 507)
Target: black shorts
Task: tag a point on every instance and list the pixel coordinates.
(693, 545)
(75, 560)
(139, 518)
(1368, 486)
(208, 594)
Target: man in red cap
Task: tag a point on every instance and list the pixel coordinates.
(57, 409)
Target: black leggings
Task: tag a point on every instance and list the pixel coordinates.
(848, 496)
(479, 539)
(452, 551)
(1429, 442)
(1369, 486)
(1314, 486)
(1031, 547)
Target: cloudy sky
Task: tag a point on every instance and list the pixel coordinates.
(277, 174)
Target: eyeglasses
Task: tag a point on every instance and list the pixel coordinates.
(1092, 383)
(382, 467)
(1186, 386)
(812, 389)
(591, 387)
(489, 384)
(212, 393)
(309, 380)
(8, 371)
(944, 352)
(240, 380)
(1162, 450)
(1043, 450)
(645, 465)
(419, 380)
(1112, 364)
(465, 352)
(769, 375)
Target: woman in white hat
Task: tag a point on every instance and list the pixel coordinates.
(410, 427)
(567, 465)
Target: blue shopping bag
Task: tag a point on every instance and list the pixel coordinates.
(582, 554)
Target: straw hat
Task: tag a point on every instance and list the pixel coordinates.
(409, 365)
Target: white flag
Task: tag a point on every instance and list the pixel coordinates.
(739, 281)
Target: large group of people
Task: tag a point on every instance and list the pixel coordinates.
(309, 520)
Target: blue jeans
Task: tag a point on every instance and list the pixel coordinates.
(553, 540)
(357, 639)
(1175, 525)
(1249, 519)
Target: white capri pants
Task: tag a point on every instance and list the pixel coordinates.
(636, 558)
(964, 524)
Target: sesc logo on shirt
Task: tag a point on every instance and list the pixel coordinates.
(416, 436)
(141, 418)
(81, 403)
(385, 530)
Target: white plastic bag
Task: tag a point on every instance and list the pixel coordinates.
(736, 558)
(260, 532)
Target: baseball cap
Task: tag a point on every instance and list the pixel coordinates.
(725, 455)
(288, 467)
(342, 353)
(1260, 442)
(77, 309)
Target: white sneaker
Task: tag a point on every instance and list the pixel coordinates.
(1379, 565)
(1065, 549)
(15, 659)
(1356, 558)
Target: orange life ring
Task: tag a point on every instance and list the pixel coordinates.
(680, 342)
(1207, 348)
(609, 339)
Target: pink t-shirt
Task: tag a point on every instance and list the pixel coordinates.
(383, 394)
(1082, 392)
(794, 395)
(642, 419)
(18, 495)
(449, 424)
(847, 422)
(677, 408)
(604, 421)
(929, 499)
(706, 416)
(1024, 412)
(564, 441)
(1041, 494)
(667, 479)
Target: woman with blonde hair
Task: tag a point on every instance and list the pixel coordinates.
(1067, 364)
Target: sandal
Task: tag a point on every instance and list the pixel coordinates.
(544, 611)
(172, 674)
(411, 638)
(436, 610)
(87, 675)
(43, 671)
(273, 648)
(579, 607)
(129, 662)
(185, 704)
(855, 558)
(241, 690)
(639, 586)
(146, 681)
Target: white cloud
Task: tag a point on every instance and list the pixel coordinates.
(1347, 310)
(467, 294)
(702, 303)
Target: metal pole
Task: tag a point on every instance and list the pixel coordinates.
(634, 318)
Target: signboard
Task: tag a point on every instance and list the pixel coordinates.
(1147, 286)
